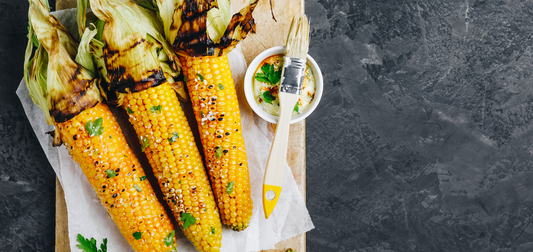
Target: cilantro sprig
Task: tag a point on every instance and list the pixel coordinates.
(155, 109)
(110, 173)
(269, 74)
(200, 76)
(268, 97)
(137, 235)
(187, 219)
(218, 152)
(145, 142)
(95, 127)
(90, 245)
(229, 189)
(174, 137)
(169, 239)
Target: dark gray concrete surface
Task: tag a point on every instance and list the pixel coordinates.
(422, 142)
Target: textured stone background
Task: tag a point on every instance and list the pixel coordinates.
(422, 141)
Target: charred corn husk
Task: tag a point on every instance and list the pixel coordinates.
(204, 38)
(161, 125)
(66, 90)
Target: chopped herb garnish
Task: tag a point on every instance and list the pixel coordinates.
(187, 219)
(90, 245)
(202, 113)
(297, 107)
(205, 210)
(229, 189)
(269, 75)
(125, 156)
(110, 136)
(218, 152)
(142, 178)
(137, 188)
(185, 79)
(144, 143)
(157, 108)
(200, 76)
(129, 111)
(169, 239)
(110, 173)
(95, 127)
(268, 97)
(174, 137)
(220, 86)
(212, 230)
(137, 235)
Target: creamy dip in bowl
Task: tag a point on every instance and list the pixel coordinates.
(262, 81)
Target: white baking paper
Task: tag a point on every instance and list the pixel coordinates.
(88, 217)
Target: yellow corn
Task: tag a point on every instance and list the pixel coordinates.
(167, 141)
(216, 108)
(118, 179)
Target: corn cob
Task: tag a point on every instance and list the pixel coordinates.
(67, 93)
(118, 178)
(202, 52)
(216, 110)
(155, 113)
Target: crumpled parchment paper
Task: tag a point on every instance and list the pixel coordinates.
(88, 217)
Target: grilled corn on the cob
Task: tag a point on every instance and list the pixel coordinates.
(66, 92)
(216, 109)
(135, 73)
(205, 35)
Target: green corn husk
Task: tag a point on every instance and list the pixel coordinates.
(133, 35)
(60, 86)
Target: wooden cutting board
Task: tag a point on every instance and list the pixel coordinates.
(269, 33)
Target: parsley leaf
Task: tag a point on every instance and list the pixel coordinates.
(95, 127)
(110, 173)
(220, 86)
(297, 107)
(144, 143)
(269, 74)
(142, 178)
(202, 113)
(187, 219)
(185, 79)
(268, 97)
(218, 152)
(137, 188)
(262, 79)
(229, 189)
(137, 235)
(90, 245)
(169, 239)
(212, 230)
(129, 111)
(154, 109)
(174, 137)
(200, 76)
(103, 246)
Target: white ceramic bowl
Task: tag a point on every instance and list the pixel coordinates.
(249, 91)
